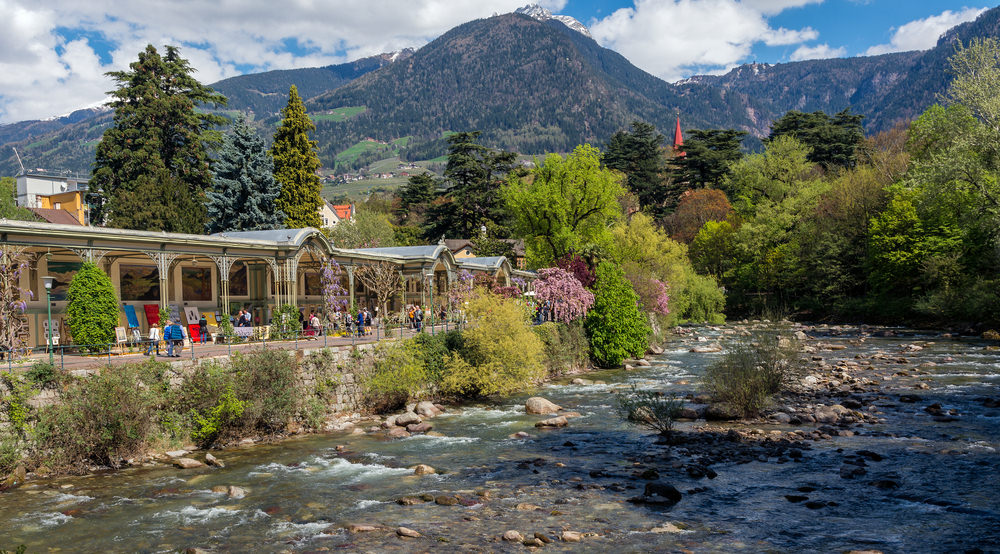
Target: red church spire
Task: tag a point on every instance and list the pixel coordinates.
(679, 139)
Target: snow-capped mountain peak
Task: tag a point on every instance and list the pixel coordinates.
(541, 14)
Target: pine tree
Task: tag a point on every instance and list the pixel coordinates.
(152, 166)
(245, 190)
(295, 166)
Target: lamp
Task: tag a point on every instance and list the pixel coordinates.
(430, 279)
(47, 282)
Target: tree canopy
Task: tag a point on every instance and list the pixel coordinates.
(295, 164)
(637, 154)
(244, 193)
(152, 165)
(832, 141)
(708, 155)
(564, 203)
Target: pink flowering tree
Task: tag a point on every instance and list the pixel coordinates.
(661, 303)
(566, 296)
(333, 290)
(13, 299)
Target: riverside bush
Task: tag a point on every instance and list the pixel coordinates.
(266, 380)
(104, 419)
(499, 354)
(564, 346)
(652, 410)
(399, 374)
(615, 326)
(751, 371)
(92, 308)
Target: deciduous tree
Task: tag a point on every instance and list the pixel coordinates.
(565, 294)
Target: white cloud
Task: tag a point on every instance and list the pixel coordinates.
(923, 34)
(673, 38)
(44, 74)
(818, 52)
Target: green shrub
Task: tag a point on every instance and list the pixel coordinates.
(652, 410)
(751, 371)
(104, 419)
(703, 300)
(92, 308)
(224, 415)
(499, 354)
(15, 403)
(285, 322)
(10, 455)
(564, 346)
(266, 379)
(43, 374)
(399, 374)
(615, 326)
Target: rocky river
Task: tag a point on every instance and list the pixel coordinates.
(887, 443)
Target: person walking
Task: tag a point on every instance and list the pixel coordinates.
(419, 315)
(368, 322)
(203, 329)
(168, 338)
(154, 340)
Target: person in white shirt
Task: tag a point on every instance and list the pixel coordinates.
(154, 340)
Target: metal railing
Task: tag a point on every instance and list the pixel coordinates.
(84, 356)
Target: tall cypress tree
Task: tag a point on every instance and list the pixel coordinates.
(295, 165)
(152, 166)
(245, 191)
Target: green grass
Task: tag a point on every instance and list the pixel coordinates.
(340, 114)
(353, 152)
(402, 142)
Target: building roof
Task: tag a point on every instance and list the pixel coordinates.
(343, 211)
(292, 237)
(405, 252)
(491, 263)
(53, 215)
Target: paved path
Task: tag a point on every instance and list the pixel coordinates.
(69, 360)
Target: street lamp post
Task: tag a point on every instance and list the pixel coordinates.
(430, 279)
(47, 281)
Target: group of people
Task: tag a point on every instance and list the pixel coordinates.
(243, 318)
(173, 337)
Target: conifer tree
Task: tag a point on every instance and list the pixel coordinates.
(152, 166)
(245, 190)
(295, 165)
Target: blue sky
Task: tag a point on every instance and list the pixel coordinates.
(54, 53)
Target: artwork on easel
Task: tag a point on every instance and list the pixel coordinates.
(175, 313)
(191, 314)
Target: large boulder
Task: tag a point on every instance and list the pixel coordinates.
(426, 409)
(187, 463)
(423, 469)
(661, 493)
(553, 422)
(720, 412)
(539, 405)
(407, 418)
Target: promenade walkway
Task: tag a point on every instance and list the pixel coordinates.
(69, 359)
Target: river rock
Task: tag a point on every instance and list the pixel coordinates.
(407, 418)
(642, 362)
(533, 542)
(16, 478)
(360, 528)
(409, 501)
(706, 349)
(579, 381)
(666, 528)
(687, 413)
(542, 537)
(655, 350)
(187, 463)
(423, 469)
(213, 461)
(539, 405)
(720, 412)
(398, 433)
(661, 493)
(235, 492)
(629, 367)
(525, 507)
(570, 536)
(519, 435)
(830, 414)
(176, 453)
(407, 532)
(427, 409)
(419, 427)
(446, 500)
(800, 335)
(553, 422)
(781, 417)
(512, 536)
(389, 422)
